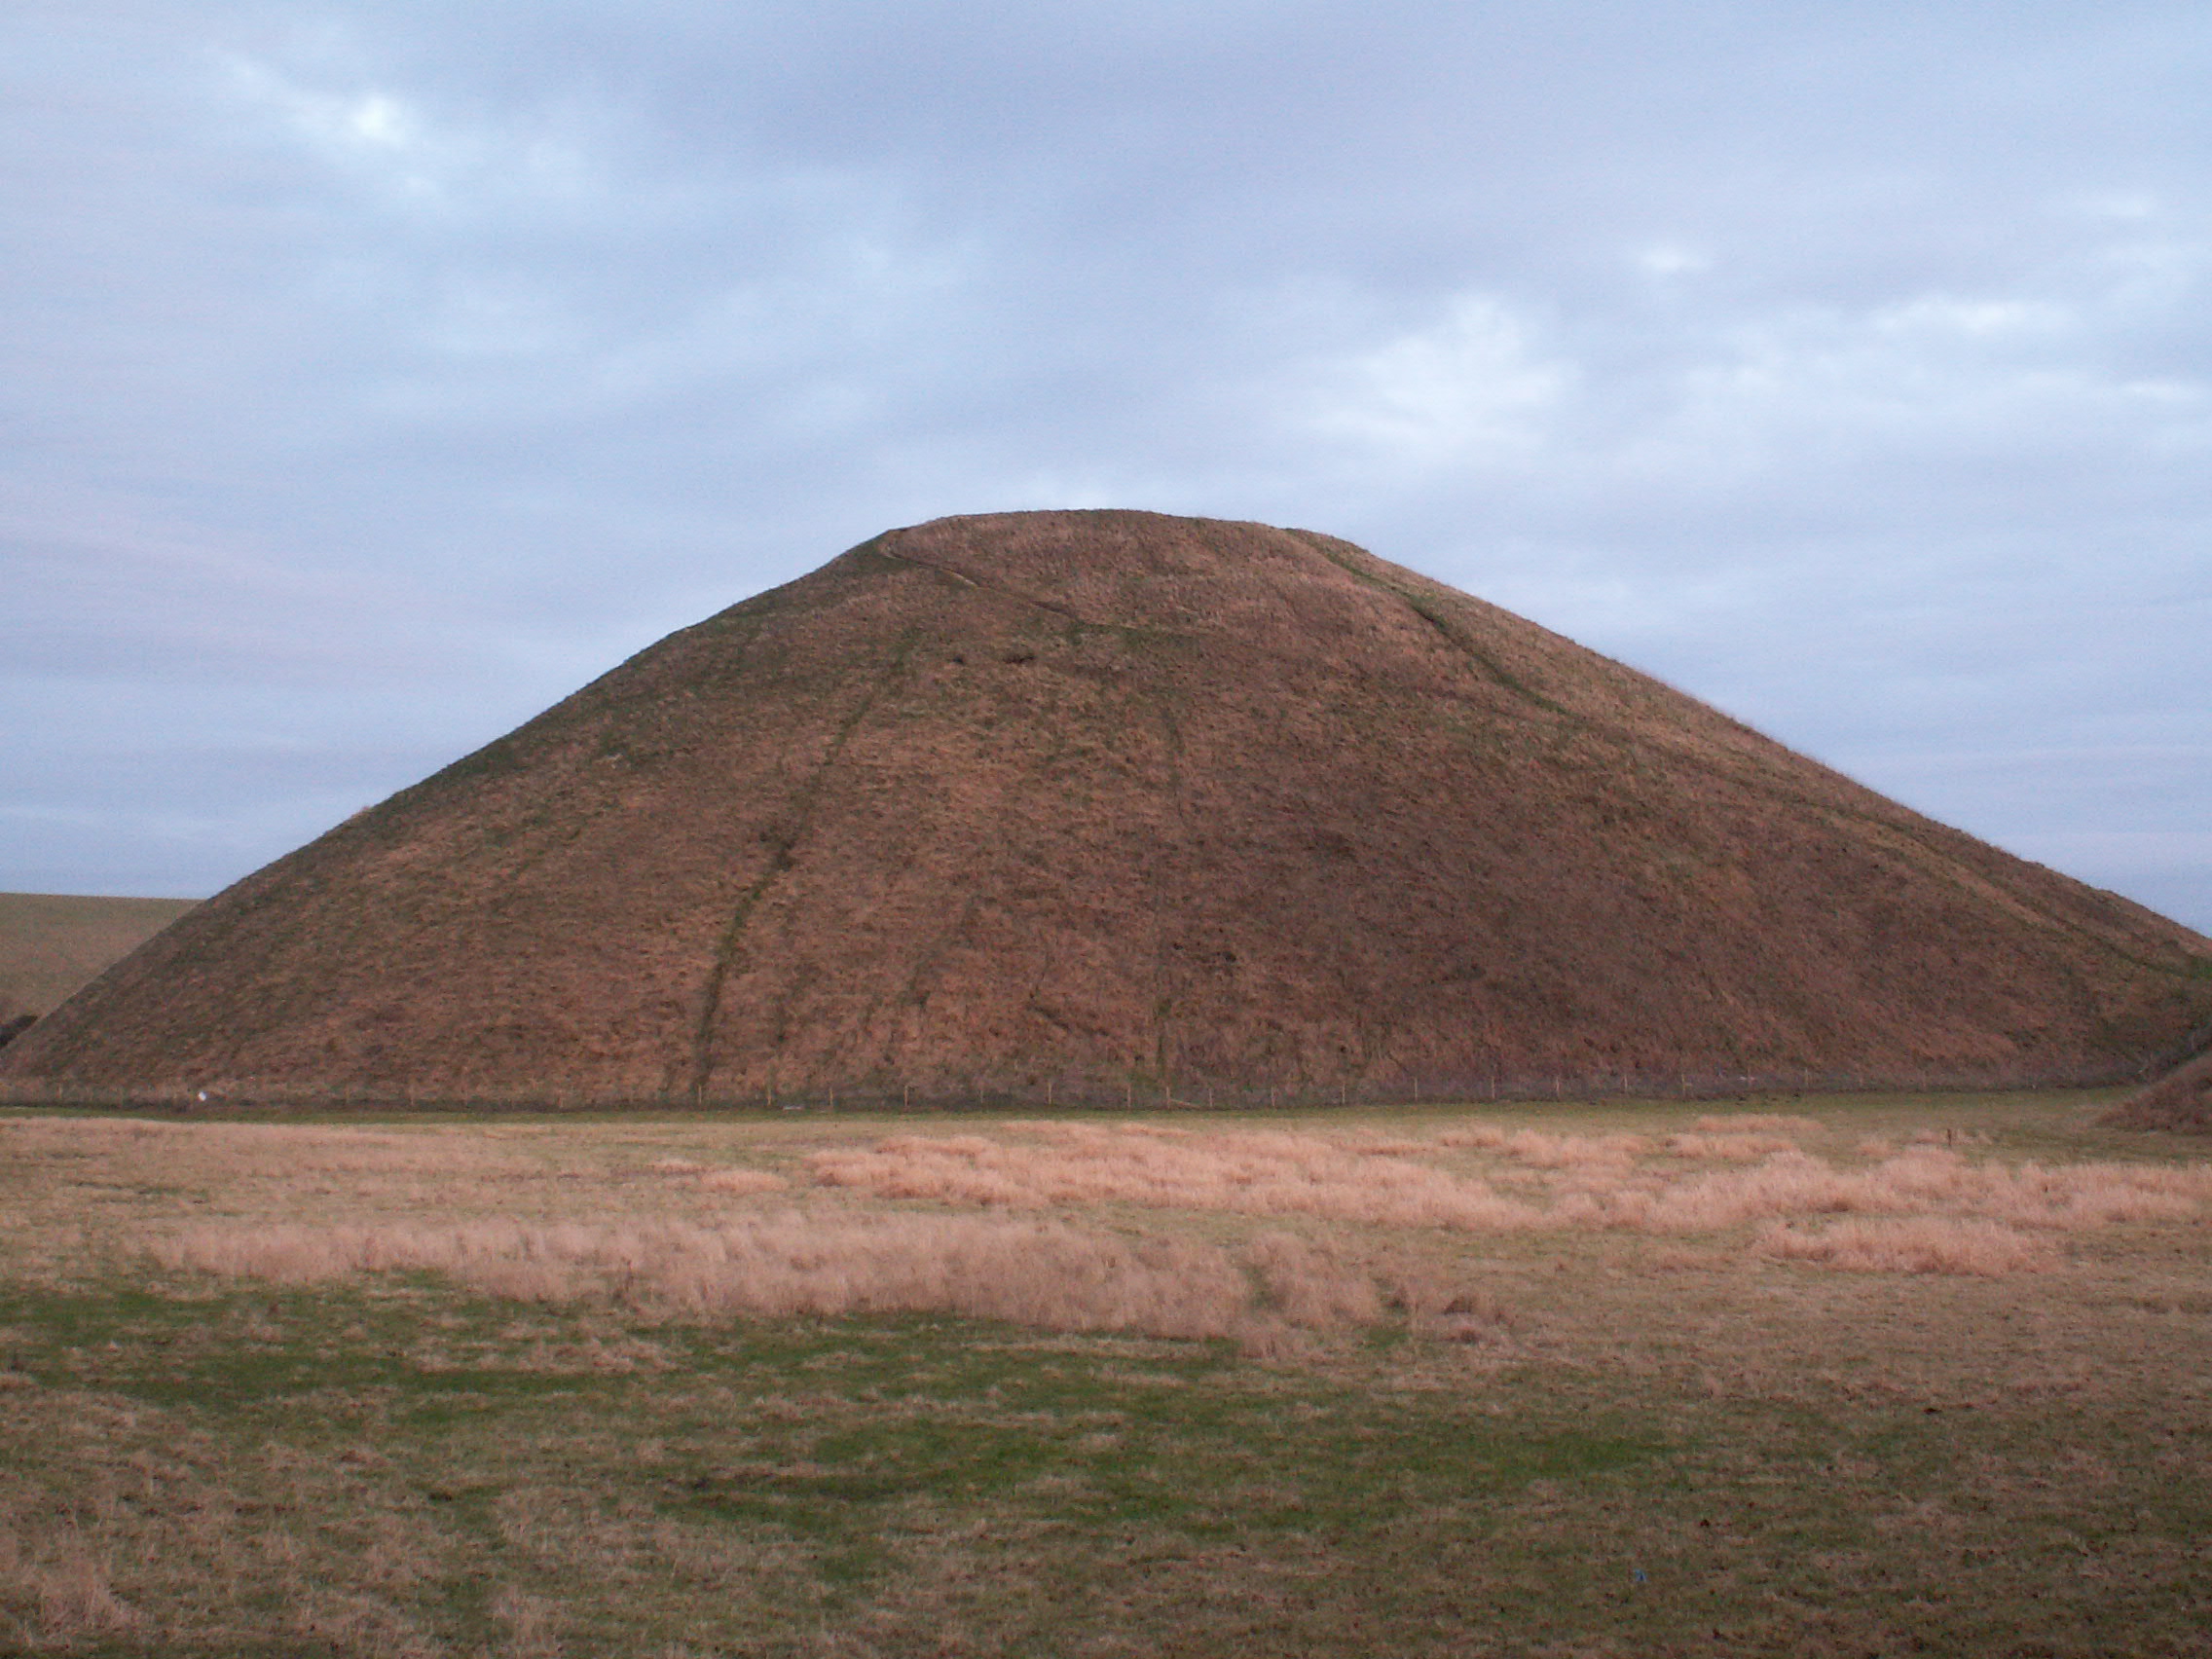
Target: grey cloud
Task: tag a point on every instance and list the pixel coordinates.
(390, 370)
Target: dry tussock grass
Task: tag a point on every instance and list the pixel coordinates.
(1734, 1147)
(1034, 1272)
(1542, 1150)
(1596, 1181)
(1751, 1123)
(730, 1180)
(740, 1183)
(1921, 1244)
(1924, 1181)
(63, 1577)
(1255, 1173)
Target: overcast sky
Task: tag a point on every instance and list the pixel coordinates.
(377, 372)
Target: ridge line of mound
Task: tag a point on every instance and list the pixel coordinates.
(1066, 806)
(1944, 863)
(1490, 665)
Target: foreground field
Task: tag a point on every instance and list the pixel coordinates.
(1846, 1376)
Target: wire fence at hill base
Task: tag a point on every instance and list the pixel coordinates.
(1129, 1094)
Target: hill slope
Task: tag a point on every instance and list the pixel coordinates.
(2182, 1099)
(1084, 801)
(52, 943)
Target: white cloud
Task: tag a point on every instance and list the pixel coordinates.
(1472, 389)
(381, 121)
(1671, 259)
(1984, 319)
(398, 146)
(373, 133)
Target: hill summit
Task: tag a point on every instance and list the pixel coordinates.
(1102, 806)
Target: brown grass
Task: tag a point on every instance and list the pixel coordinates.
(1250, 1173)
(140, 1147)
(547, 1388)
(709, 875)
(482, 1168)
(1925, 1245)
(71, 1585)
(1540, 1148)
(776, 1266)
(1598, 1182)
(508, 1211)
(1737, 1148)
(52, 943)
(2180, 1099)
(738, 1183)
(1751, 1123)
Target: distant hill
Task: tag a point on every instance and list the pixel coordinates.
(51, 944)
(1087, 805)
(2182, 1099)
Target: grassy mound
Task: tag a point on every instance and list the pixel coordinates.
(1117, 806)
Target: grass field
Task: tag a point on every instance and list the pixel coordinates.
(1836, 1377)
